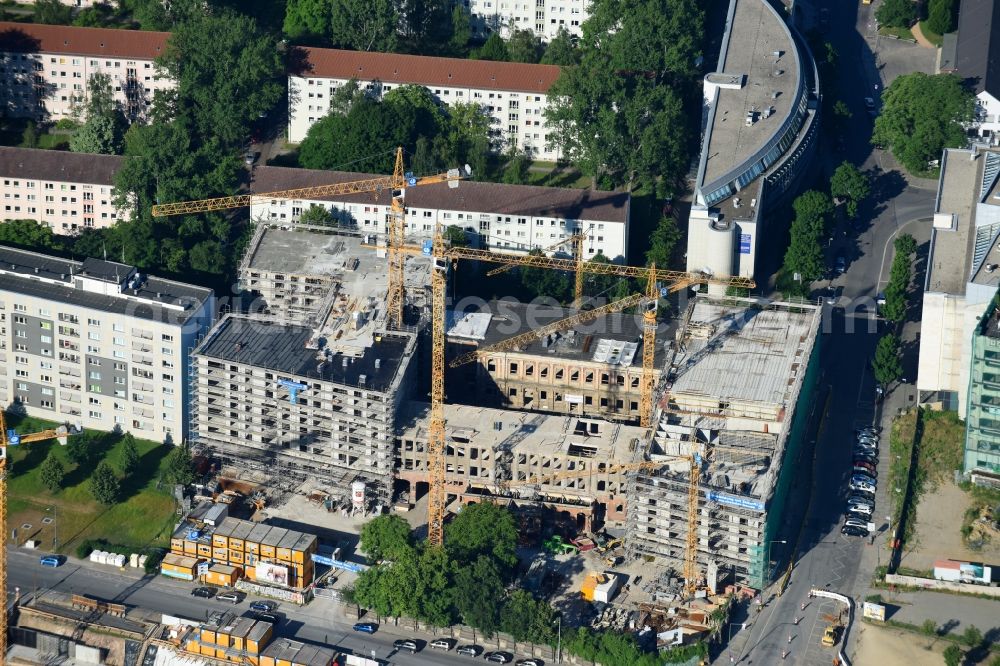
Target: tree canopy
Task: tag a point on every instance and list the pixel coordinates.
(619, 115)
(849, 183)
(52, 472)
(941, 15)
(921, 116)
(561, 50)
(805, 251)
(886, 366)
(104, 485)
(386, 537)
(896, 13)
(103, 130)
(483, 530)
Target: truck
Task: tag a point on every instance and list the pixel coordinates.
(830, 635)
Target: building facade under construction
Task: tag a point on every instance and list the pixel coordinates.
(308, 390)
(736, 401)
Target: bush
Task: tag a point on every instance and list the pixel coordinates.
(929, 627)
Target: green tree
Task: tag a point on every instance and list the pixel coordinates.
(896, 13)
(972, 636)
(455, 236)
(941, 15)
(619, 115)
(886, 366)
(545, 282)
(128, 460)
(524, 46)
(390, 589)
(461, 30)
(386, 538)
(103, 131)
(160, 15)
(518, 168)
(179, 466)
(953, 655)
(29, 137)
(344, 97)
(104, 485)
(921, 116)
(483, 529)
(905, 245)
(434, 587)
(29, 234)
(561, 50)
(228, 73)
(663, 242)
(805, 255)
(468, 136)
(52, 472)
(364, 25)
(53, 12)
(98, 16)
(427, 24)
(494, 48)
(317, 215)
(478, 592)
(308, 21)
(527, 619)
(849, 183)
(82, 449)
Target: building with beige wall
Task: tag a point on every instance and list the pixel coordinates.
(513, 94)
(67, 192)
(563, 462)
(98, 343)
(543, 17)
(44, 69)
(509, 218)
(593, 369)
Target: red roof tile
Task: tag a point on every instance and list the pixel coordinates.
(471, 196)
(70, 40)
(429, 71)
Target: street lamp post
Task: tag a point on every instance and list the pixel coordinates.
(772, 541)
(55, 526)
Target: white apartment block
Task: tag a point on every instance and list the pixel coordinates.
(68, 192)
(514, 94)
(512, 218)
(543, 17)
(44, 69)
(97, 343)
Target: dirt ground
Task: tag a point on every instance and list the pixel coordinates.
(938, 530)
(885, 646)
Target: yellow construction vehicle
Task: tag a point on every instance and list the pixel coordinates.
(10, 438)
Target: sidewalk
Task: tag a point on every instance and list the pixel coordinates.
(944, 609)
(919, 36)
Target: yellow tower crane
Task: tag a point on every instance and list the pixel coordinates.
(396, 184)
(10, 438)
(577, 241)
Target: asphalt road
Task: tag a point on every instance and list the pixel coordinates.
(315, 623)
(826, 559)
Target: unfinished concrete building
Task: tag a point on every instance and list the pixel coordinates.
(593, 369)
(567, 463)
(297, 271)
(734, 397)
(314, 400)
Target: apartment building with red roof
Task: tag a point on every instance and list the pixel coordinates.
(514, 94)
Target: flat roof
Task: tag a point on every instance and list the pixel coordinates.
(753, 354)
(52, 278)
(299, 654)
(257, 532)
(595, 341)
(398, 68)
(71, 40)
(58, 165)
(756, 33)
(471, 196)
(527, 432)
(949, 262)
(283, 349)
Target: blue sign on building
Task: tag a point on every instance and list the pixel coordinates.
(744, 243)
(734, 500)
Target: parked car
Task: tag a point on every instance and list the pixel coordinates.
(203, 592)
(860, 510)
(263, 606)
(499, 657)
(232, 597)
(469, 650)
(866, 463)
(529, 662)
(863, 486)
(861, 498)
(874, 430)
(853, 531)
(840, 264)
(870, 105)
(865, 469)
(366, 627)
(863, 478)
(853, 522)
(50, 560)
(267, 617)
(405, 644)
(862, 450)
(442, 644)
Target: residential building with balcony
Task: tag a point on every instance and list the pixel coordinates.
(509, 218)
(514, 95)
(98, 343)
(543, 17)
(44, 69)
(67, 192)
(982, 417)
(973, 53)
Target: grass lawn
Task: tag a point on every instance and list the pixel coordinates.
(902, 33)
(942, 439)
(143, 517)
(931, 36)
(551, 175)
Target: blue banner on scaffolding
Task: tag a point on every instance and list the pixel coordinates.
(733, 500)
